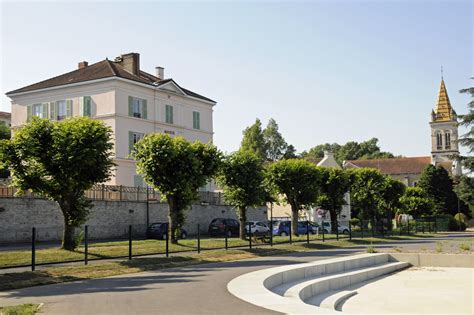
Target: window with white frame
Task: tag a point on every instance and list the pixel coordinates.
(169, 114)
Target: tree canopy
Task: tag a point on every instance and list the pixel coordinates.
(299, 182)
(351, 150)
(335, 184)
(415, 202)
(254, 141)
(5, 134)
(60, 161)
(242, 178)
(177, 168)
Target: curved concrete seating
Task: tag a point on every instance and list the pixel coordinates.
(287, 288)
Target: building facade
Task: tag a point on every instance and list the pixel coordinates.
(5, 119)
(132, 102)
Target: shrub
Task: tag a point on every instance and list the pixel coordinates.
(355, 222)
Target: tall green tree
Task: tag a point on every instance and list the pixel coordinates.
(367, 186)
(415, 202)
(275, 144)
(298, 181)
(438, 185)
(254, 141)
(5, 134)
(242, 178)
(290, 152)
(177, 168)
(351, 150)
(389, 202)
(334, 185)
(60, 161)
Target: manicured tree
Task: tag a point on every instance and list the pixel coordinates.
(254, 141)
(60, 161)
(299, 182)
(177, 168)
(467, 140)
(334, 185)
(438, 185)
(415, 202)
(242, 178)
(367, 186)
(391, 193)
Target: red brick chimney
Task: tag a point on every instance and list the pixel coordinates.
(130, 62)
(82, 64)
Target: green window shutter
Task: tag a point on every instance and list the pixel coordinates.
(29, 112)
(198, 120)
(130, 106)
(130, 142)
(167, 113)
(87, 109)
(44, 109)
(81, 106)
(144, 110)
(52, 110)
(69, 108)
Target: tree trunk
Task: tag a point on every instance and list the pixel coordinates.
(243, 220)
(173, 220)
(294, 220)
(68, 237)
(333, 215)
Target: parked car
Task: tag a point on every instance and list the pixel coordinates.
(258, 228)
(342, 228)
(221, 226)
(159, 230)
(282, 228)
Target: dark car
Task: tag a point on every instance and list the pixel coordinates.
(160, 231)
(222, 226)
(282, 228)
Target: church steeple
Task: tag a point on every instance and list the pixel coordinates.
(444, 131)
(443, 110)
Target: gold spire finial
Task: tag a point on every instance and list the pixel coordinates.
(443, 110)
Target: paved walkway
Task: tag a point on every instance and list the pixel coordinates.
(200, 289)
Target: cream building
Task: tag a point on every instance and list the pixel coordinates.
(5, 119)
(132, 102)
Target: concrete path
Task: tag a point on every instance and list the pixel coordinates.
(200, 289)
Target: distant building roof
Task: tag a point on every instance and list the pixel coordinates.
(395, 166)
(5, 115)
(100, 70)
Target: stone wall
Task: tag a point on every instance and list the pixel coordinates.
(107, 219)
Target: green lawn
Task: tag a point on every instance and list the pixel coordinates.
(143, 247)
(23, 309)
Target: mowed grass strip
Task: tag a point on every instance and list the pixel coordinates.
(102, 269)
(144, 247)
(23, 309)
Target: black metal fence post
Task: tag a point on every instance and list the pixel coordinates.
(408, 223)
(383, 230)
(226, 231)
(33, 249)
(307, 232)
(337, 229)
(416, 227)
(372, 227)
(400, 228)
(323, 230)
(167, 243)
(86, 245)
(199, 240)
(435, 227)
(290, 232)
(350, 231)
(250, 235)
(130, 242)
(271, 231)
(429, 226)
(362, 229)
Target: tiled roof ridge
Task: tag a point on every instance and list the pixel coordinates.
(391, 158)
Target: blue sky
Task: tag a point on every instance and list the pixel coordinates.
(327, 71)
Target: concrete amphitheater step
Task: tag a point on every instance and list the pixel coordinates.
(303, 290)
(334, 298)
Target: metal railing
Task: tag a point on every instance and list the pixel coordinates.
(121, 193)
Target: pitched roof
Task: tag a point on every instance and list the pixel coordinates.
(443, 110)
(394, 166)
(100, 70)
